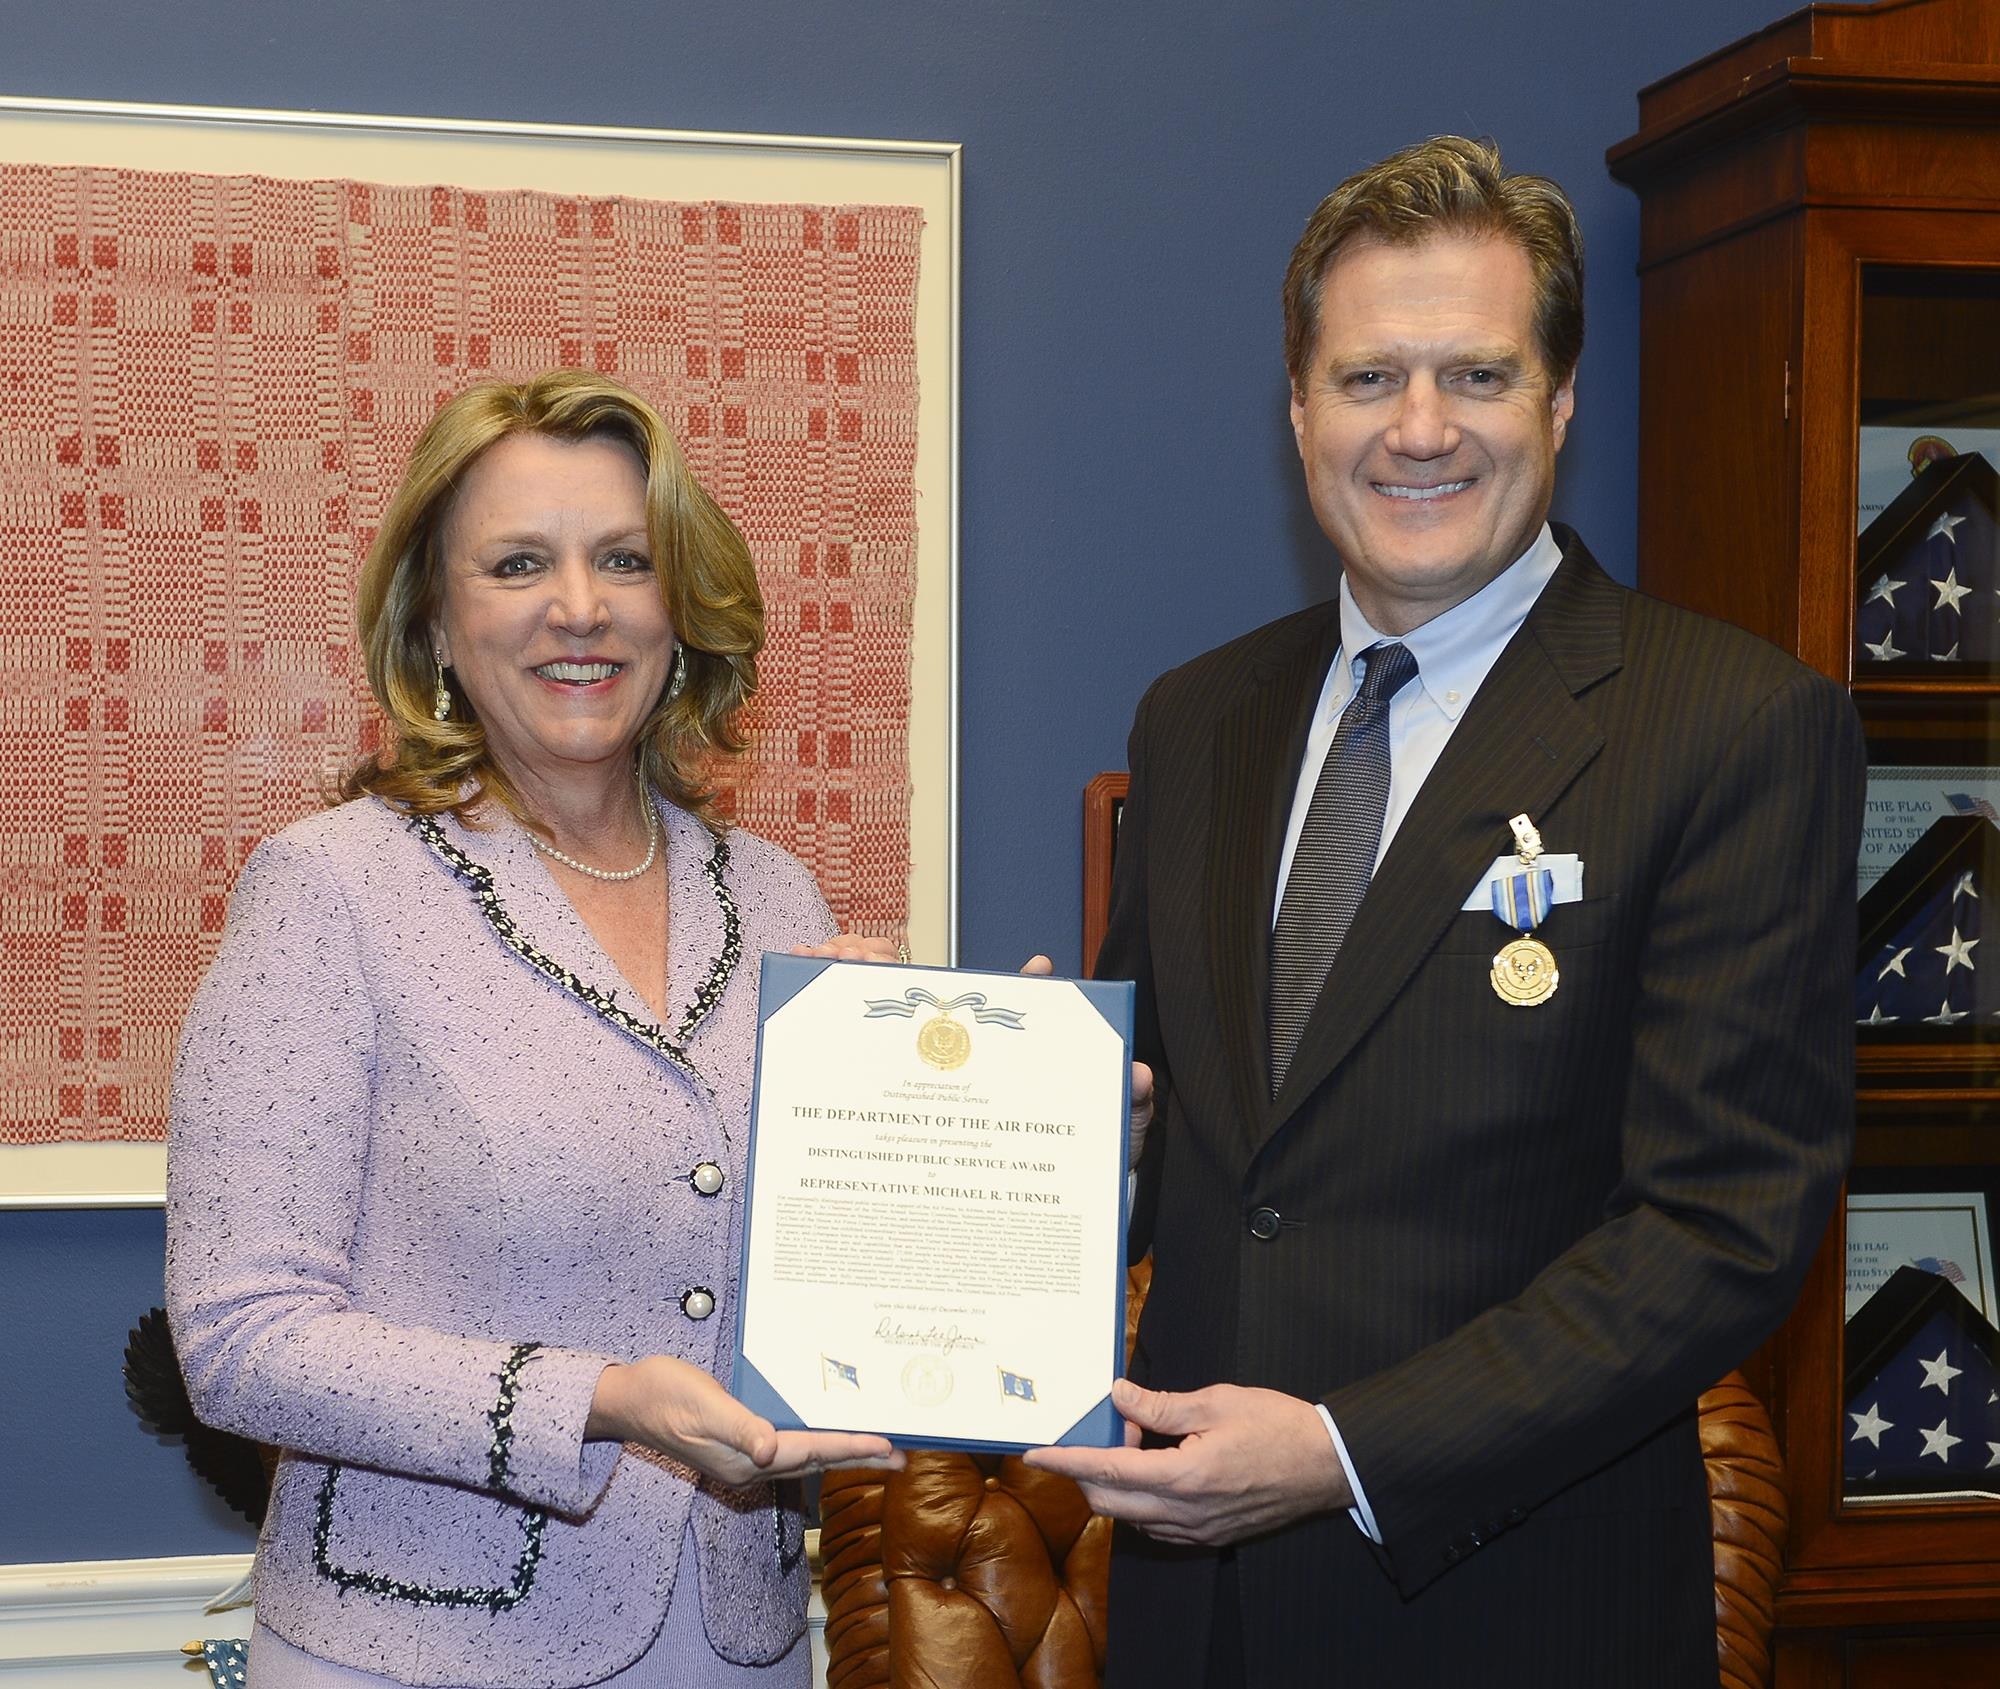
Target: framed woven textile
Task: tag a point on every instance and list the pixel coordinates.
(220, 332)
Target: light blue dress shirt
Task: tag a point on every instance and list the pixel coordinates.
(1454, 652)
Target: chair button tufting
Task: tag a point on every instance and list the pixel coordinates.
(698, 1303)
(947, 1583)
(706, 1178)
(992, 1482)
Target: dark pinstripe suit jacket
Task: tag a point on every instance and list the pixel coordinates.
(1517, 1242)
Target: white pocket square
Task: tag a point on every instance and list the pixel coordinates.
(1568, 872)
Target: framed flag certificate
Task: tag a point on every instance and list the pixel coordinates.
(934, 1246)
(1903, 802)
(1940, 1232)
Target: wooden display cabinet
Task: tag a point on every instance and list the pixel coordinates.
(1820, 254)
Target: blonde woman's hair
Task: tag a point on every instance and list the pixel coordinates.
(700, 561)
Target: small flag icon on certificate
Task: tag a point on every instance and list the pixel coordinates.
(837, 1374)
(1013, 1384)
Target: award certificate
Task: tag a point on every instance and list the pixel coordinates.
(934, 1247)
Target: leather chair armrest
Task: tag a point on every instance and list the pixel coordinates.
(851, 1579)
(1746, 1485)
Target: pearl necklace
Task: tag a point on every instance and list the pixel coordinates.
(652, 849)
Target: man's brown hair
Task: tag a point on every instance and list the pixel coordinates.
(1447, 185)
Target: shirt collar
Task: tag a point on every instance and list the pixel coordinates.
(1454, 650)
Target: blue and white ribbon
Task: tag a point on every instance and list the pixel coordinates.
(1523, 900)
(906, 1006)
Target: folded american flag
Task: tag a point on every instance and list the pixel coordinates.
(1928, 592)
(1923, 1391)
(1927, 973)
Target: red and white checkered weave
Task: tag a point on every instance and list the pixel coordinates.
(208, 385)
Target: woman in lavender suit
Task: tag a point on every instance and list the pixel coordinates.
(460, 1112)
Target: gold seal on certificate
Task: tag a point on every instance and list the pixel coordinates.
(944, 1043)
(1525, 973)
(927, 1380)
(935, 1196)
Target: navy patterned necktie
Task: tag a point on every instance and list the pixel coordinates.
(1335, 857)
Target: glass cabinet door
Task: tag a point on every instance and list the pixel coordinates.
(1920, 1384)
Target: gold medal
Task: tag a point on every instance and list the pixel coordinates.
(1524, 973)
(944, 1043)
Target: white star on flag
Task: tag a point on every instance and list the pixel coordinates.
(1939, 1372)
(1958, 953)
(1877, 1018)
(1948, 590)
(1964, 888)
(1939, 1441)
(1886, 651)
(1942, 527)
(1946, 1015)
(1886, 589)
(1950, 656)
(1995, 1458)
(1870, 1425)
(1895, 965)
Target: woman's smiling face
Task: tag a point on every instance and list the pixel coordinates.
(551, 618)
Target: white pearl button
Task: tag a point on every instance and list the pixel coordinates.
(706, 1178)
(698, 1304)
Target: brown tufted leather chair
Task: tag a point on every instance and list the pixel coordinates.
(976, 1571)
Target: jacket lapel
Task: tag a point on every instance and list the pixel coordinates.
(1523, 740)
(542, 915)
(1258, 744)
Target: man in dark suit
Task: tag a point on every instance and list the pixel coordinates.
(1463, 1189)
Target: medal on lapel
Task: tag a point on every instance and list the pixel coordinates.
(1525, 971)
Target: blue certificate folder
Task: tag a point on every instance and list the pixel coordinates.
(887, 986)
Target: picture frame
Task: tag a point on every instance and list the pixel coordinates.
(608, 163)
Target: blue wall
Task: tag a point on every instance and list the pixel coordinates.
(1135, 174)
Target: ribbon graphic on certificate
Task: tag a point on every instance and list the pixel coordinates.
(944, 1042)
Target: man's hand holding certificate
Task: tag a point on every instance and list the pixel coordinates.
(934, 1247)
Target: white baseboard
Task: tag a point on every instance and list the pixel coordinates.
(106, 1623)
(119, 1624)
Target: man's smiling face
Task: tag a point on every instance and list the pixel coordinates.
(1427, 422)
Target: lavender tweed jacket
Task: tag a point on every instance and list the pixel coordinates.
(430, 1170)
